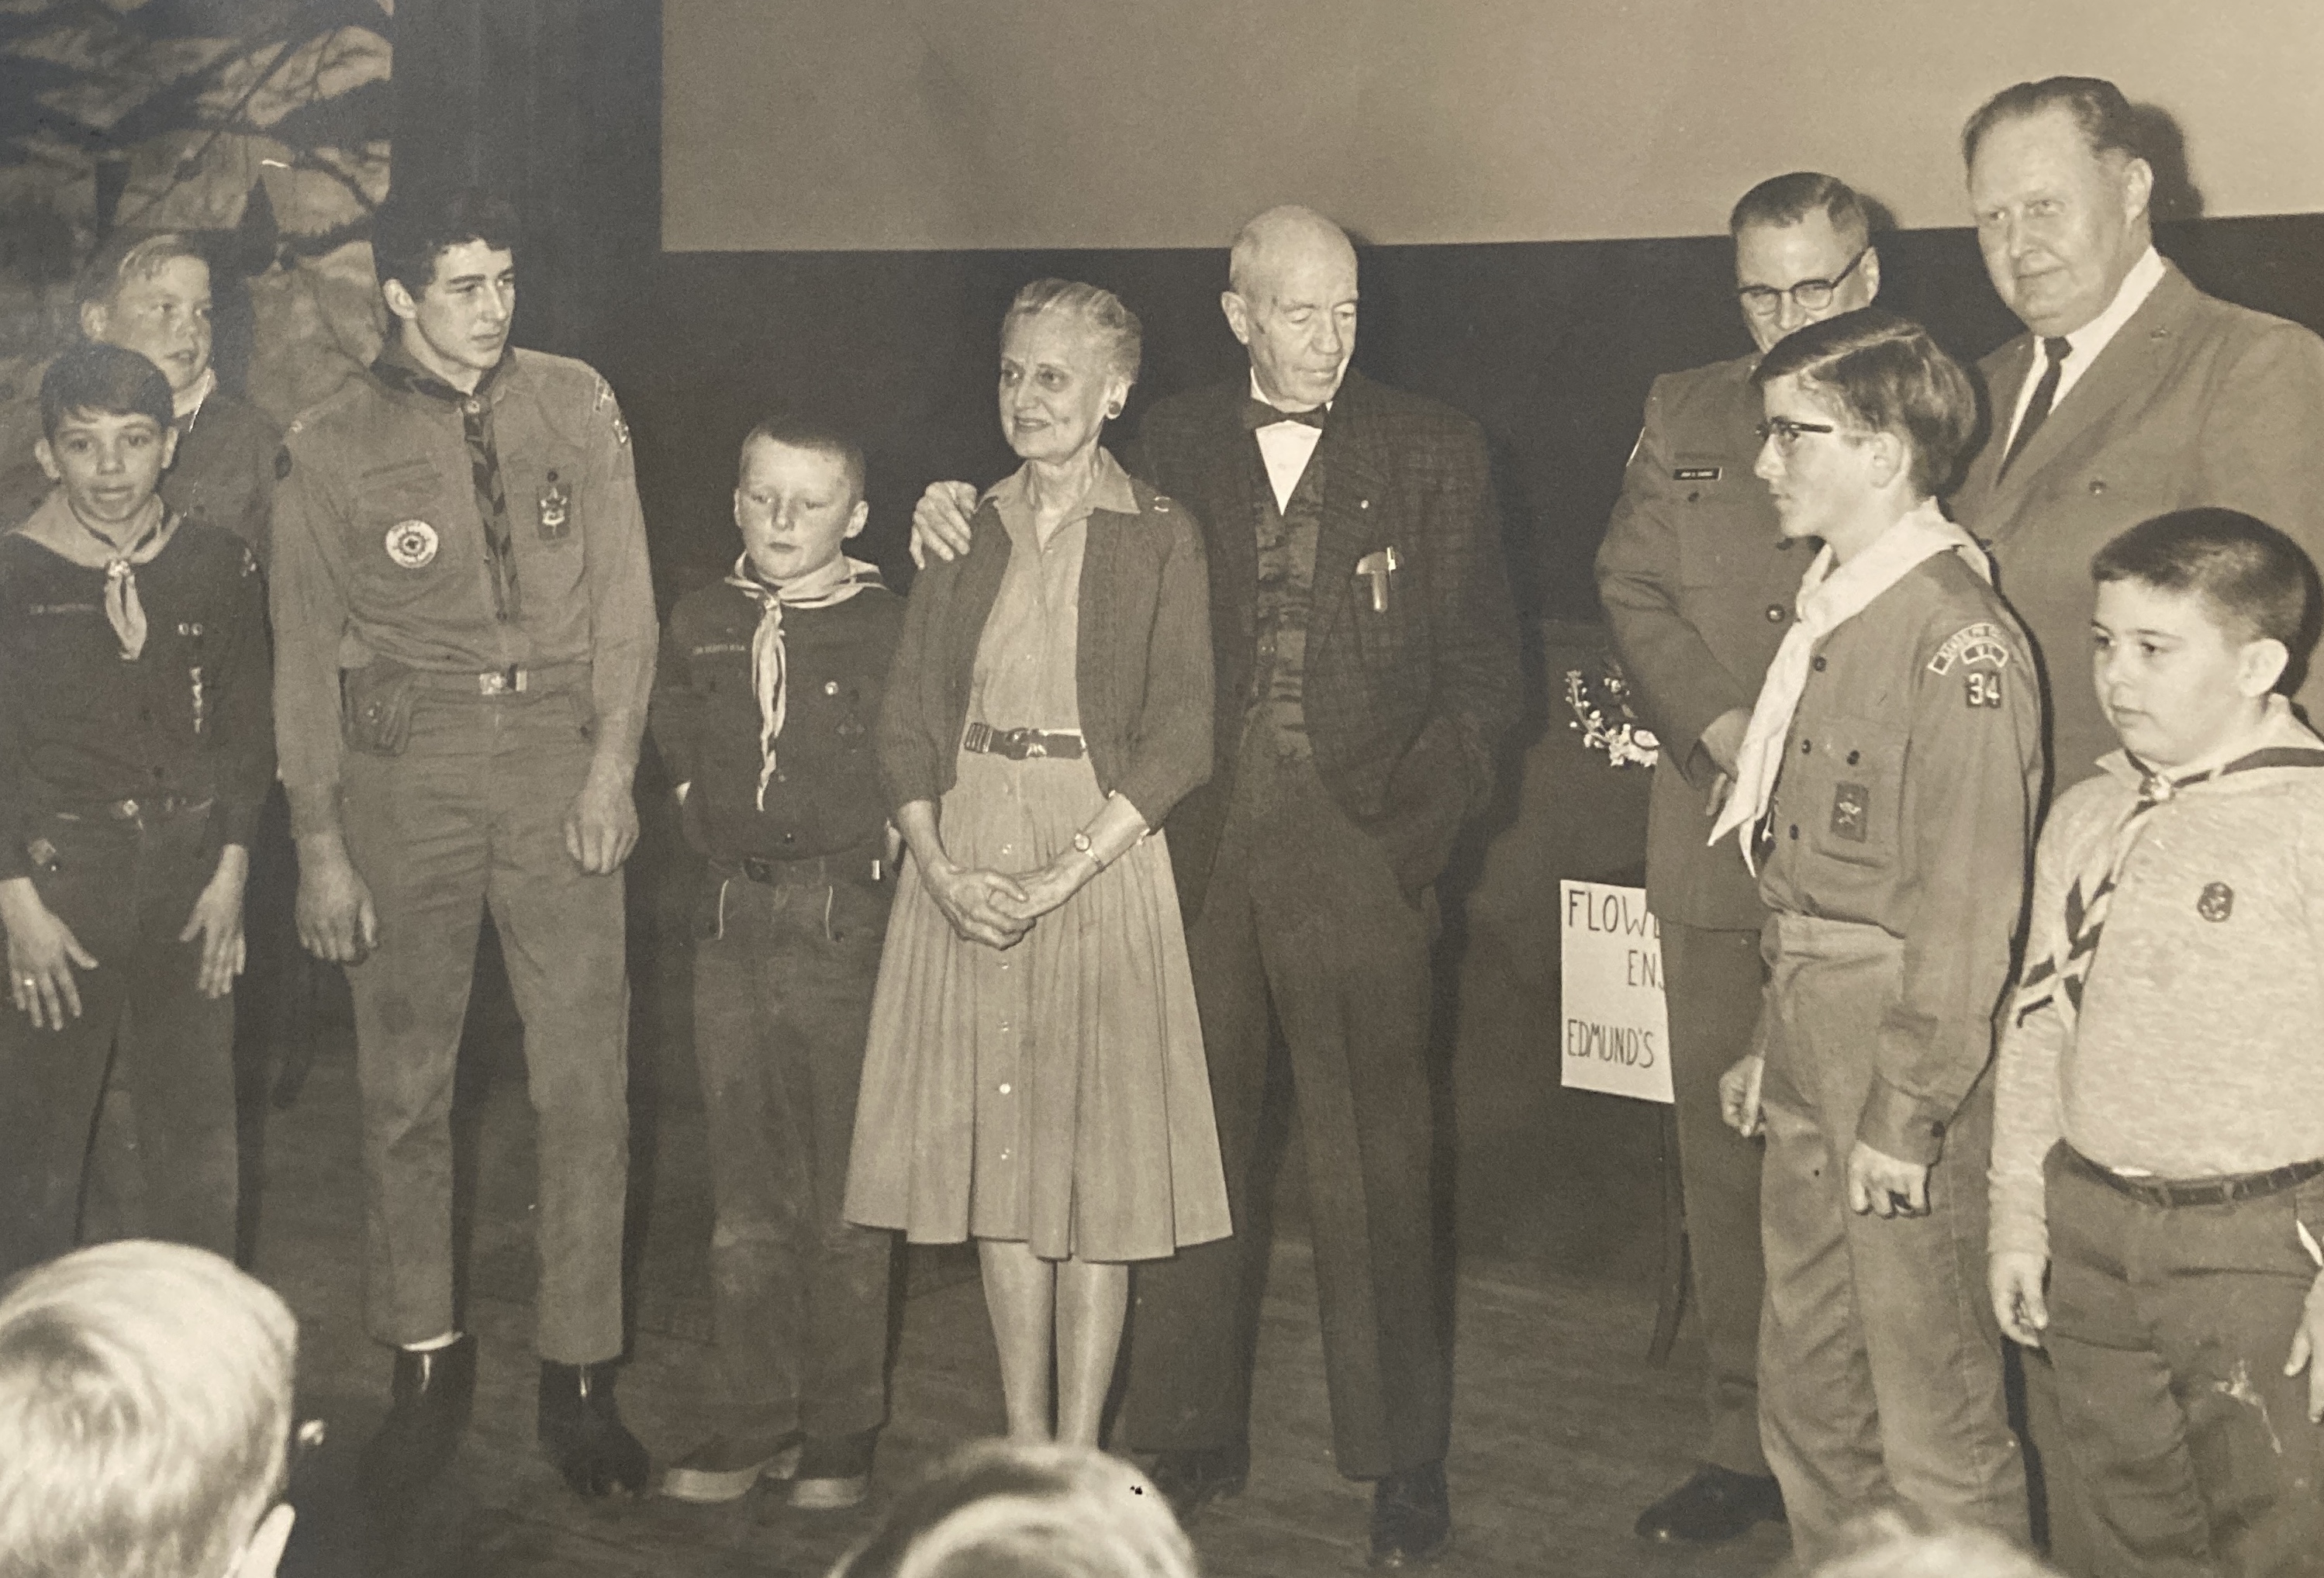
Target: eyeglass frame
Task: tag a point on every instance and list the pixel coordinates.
(1763, 301)
(1786, 434)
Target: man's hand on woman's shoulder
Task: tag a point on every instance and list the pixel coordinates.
(940, 521)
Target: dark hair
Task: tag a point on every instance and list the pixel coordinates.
(2253, 576)
(1787, 199)
(1113, 326)
(98, 377)
(411, 233)
(1888, 376)
(133, 255)
(2098, 109)
(801, 430)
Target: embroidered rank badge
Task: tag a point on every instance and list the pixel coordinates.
(2216, 902)
(1851, 812)
(556, 509)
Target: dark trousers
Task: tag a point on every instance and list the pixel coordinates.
(1713, 980)
(783, 975)
(471, 814)
(2169, 1327)
(1304, 916)
(1879, 1359)
(125, 888)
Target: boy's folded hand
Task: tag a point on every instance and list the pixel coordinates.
(2014, 1279)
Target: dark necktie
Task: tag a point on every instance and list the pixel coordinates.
(1258, 414)
(2045, 395)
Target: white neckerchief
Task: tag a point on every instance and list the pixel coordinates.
(1286, 448)
(1828, 597)
(186, 405)
(55, 527)
(835, 582)
(2092, 337)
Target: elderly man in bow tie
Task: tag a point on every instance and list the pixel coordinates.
(1366, 663)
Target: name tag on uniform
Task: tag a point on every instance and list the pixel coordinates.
(1697, 472)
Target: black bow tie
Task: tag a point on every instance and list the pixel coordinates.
(1258, 414)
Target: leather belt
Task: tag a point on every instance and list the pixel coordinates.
(811, 871)
(2220, 1191)
(157, 807)
(1019, 745)
(516, 680)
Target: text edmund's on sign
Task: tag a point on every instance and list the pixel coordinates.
(1627, 1044)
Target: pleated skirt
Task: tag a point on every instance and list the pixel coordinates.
(1054, 1092)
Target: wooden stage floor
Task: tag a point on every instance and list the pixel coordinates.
(1563, 1431)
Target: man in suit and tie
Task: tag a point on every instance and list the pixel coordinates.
(1366, 662)
(2132, 394)
(1698, 582)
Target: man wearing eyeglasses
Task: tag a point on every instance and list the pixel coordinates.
(1698, 583)
(2132, 394)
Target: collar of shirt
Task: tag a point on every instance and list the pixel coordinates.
(186, 406)
(2279, 728)
(1286, 448)
(2093, 336)
(56, 527)
(398, 369)
(1109, 490)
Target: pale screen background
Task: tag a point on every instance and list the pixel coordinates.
(942, 124)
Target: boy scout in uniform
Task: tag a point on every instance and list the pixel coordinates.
(768, 687)
(1887, 787)
(1697, 583)
(135, 751)
(2159, 1137)
(465, 641)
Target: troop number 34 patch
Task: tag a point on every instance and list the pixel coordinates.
(1981, 652)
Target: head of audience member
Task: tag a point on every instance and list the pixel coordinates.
(1069, 353)
(150, 294)
(2060, 192)
(995, 1509)
(1804, 253)
(106, 432)
(2200, 615)
(1291, 300)
(1893, 1542)
(1866, 417)
(144, 1418)
(447, 267)
(799, 496)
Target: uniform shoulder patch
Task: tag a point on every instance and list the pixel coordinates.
(1983, 643)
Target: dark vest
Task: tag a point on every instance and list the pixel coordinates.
(1284, 597)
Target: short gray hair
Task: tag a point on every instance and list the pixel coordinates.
(1121, 338)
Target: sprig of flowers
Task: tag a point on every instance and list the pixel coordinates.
(1603, 715)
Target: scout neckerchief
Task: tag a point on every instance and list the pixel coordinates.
(55, 526)
(397, 368)
(1828, 598)
(2057, 982)
(836, 582)
(187, 404)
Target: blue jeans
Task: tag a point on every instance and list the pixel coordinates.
(2169, 1326)
(125, 888)
(783, 974)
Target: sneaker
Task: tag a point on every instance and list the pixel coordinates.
(833, 1471)
(725, 1467)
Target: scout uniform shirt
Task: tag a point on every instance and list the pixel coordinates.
(1907, 802)
(82, 726)
(486, 534)
(825, 797)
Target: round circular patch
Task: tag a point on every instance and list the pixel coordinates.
(411, 544)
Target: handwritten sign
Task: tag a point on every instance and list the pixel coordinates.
(1616, 1034)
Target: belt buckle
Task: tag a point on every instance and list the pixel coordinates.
(757, 869)
(1033, 746)
(126, 810)
(508, 681)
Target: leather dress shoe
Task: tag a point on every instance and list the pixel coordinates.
(583, 1433)
(1191, 1477)
(1714, 1505)
(834, 1472)
(1412, 1516)
(431, 1393)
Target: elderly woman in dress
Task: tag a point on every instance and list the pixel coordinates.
(1034, 1073)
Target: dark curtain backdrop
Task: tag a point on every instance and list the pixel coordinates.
(558, 103)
